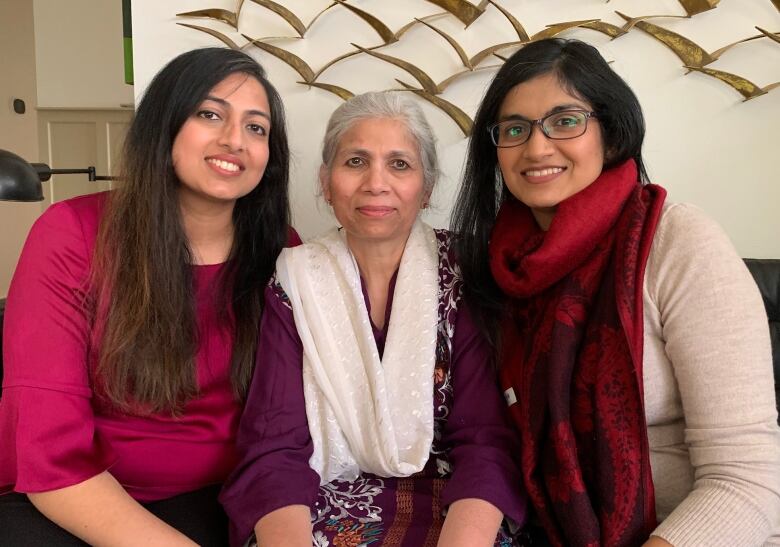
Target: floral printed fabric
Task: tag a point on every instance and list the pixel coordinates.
(378, 511)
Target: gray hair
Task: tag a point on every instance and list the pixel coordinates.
(384, 104)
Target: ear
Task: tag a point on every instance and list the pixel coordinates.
(324, 183)
(609, 154)
(426, 200)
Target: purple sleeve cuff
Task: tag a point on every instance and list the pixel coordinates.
(274, 443)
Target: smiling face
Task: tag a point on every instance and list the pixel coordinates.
(375, 182)
(543, 172)
(221, 151)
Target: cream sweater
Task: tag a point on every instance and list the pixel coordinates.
(709, 390)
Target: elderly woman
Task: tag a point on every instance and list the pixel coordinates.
(373, 408)
(634, 347)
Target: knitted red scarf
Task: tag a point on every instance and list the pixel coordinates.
(572, 352)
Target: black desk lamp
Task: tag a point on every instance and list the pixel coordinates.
(21, 181)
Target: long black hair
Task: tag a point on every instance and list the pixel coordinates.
(584, 73)
(142, 276)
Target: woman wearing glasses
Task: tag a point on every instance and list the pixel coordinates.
(634, 351)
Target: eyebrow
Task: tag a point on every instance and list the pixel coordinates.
(553, 110)
(226, 104)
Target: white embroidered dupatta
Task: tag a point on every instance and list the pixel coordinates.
(365, 414)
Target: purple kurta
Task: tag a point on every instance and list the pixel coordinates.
(470, 456)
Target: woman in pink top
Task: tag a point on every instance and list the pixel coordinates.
(131, 321)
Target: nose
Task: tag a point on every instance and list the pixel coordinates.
(538, 144)
(231, 136)
(375, 181)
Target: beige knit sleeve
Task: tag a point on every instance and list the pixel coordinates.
(716, 337)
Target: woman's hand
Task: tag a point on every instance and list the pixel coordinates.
(470, 522)
(286, 527)
(100, 512)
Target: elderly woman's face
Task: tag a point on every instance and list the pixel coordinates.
(375, 184)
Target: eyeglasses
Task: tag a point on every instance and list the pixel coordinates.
(566, 124)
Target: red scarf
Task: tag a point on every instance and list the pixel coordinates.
(572, 352)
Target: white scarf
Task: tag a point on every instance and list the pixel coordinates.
(365, 414)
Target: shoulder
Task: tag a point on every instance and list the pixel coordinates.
(87, 209)
(446, 246)
(683, 223)
(82, 212)
(689, 248)
(274, 293)
(68, 227)
(293, 238)
(448, 262)
(688, 235)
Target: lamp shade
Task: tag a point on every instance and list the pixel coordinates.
(19, 181)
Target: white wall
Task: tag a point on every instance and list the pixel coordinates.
(18, 132)
(703, 143)
(79, 55)
(56, 55)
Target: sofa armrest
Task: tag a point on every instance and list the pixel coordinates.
(766, 273)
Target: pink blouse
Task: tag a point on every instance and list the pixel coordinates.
(54, 432)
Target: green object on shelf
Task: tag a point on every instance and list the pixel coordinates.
(127, 40)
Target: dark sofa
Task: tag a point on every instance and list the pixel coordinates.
(766, 273)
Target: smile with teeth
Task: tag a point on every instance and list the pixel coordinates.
(222, 164)
(543, 172)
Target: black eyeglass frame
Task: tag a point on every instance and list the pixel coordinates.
(540, 123)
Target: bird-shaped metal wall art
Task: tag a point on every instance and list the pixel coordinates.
(745, 87)
(231, 17)
(384, 32)
(466, 12)
(775, 36)
(301, 67)
(216, 34)
(461, 119)
(690, 53)
(519, 30)
(631, 22)
(226, 16)
(694, 7)
(693, 56)
(289, 16)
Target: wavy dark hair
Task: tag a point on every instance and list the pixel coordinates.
(142, 280)
(584, 73)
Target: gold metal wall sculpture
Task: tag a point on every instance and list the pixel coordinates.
(748, 89)
(692, 7)
(692, 56)
(464, 11)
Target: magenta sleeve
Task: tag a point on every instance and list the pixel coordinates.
(484, 447)
(274, 443)
(47, 426)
